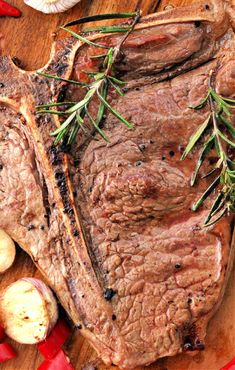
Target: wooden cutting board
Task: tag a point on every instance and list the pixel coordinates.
(29, 39)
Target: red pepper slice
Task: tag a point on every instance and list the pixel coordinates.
(2, 333)
(59, 362)
(230, 365)
(8, 10)
(53, 343)
(6, 352)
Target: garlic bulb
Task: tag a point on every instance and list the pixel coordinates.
(51, 6)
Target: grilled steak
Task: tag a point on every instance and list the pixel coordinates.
(110, 225)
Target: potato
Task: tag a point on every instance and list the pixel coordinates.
(7, 251)
(28, 310)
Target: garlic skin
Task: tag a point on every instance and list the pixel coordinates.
(51, 6)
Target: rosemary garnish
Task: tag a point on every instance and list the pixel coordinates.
(221, 135)
(103, 79)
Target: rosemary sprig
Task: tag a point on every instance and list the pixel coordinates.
(55, 104)
(221, 133)
(103, 79)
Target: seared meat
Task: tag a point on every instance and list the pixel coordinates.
(110, 225)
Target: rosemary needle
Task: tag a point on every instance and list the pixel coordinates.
(61, 79)
(101, 17)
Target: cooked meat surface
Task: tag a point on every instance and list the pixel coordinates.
(110, 225)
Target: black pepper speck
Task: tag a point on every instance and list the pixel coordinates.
(197, 24)
(188, 347)
(109, 293)
(75, 233)
(142, 147)
(30, 227)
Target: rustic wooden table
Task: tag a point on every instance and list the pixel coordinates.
(29, 39)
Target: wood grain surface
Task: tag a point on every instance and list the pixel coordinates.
(29, 39)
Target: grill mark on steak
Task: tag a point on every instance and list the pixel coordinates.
(46, 203)
(120, 220)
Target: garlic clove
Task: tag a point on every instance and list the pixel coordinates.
(51, 6)
(7, 251)
(28, 310)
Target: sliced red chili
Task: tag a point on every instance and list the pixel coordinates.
(6, 352)
(59, 362)
(53, 343)
(8, 10)
(230, 365)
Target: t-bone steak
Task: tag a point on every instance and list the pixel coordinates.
(110, 225)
